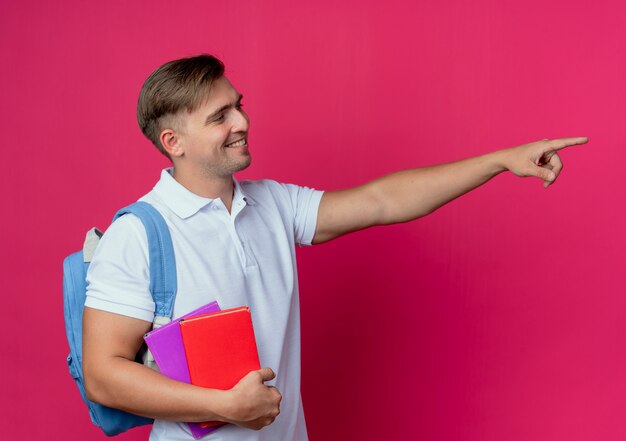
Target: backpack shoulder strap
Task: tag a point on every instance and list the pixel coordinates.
(161, 257)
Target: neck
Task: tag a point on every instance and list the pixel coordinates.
(212, 187)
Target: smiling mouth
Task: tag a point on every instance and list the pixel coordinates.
(240, 143)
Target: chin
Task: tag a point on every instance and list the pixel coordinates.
(243, 165)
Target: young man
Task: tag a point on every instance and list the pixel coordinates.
(235, 243)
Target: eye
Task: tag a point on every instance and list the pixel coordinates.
(220, 118)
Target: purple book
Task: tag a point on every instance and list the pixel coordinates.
(166, 345)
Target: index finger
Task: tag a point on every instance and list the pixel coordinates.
(561, 143)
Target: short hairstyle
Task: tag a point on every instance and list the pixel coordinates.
(176, 85)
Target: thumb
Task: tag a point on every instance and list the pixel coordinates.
(543, 173)
(266, 374)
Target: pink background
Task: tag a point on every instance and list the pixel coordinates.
(499, 317)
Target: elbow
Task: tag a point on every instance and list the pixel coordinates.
(90, 391)
(94, 391)
(90, 394)
(377, 209)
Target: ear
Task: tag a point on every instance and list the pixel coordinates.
(171, 142)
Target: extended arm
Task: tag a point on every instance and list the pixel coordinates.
(112, 378)
(409, 194)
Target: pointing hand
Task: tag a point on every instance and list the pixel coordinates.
(539, 158)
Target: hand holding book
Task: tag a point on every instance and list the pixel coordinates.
(254, 405)
(222, 342)
(222, 354)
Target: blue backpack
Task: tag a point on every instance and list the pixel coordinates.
(162, 287)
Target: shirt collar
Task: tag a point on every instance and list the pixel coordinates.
(185, 203)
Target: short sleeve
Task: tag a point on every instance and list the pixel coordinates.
(305, 202)
(118, 278)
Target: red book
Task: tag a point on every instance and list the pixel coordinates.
(220, 348)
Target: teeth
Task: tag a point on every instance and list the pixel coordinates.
(237, 144)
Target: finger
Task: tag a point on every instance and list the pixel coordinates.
(266, 374)
(561, 143)
(556, 166)
(544, 158)
(276, 392)
(279, 396)
(275, 412)
(543, 173)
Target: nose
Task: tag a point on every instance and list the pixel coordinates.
(241, 122)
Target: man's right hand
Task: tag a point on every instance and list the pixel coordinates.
(113, 379)
(254, 405)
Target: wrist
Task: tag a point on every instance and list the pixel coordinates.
(500, 161)
(213, 405)
(227, 406)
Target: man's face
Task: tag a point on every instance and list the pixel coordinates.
(214, 137)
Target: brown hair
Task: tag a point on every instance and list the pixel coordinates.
(177, 85)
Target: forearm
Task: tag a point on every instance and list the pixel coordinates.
(409, 194)
(132, 387)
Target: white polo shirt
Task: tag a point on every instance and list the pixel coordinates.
(246, 257)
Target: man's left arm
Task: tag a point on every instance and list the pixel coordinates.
(409, 194)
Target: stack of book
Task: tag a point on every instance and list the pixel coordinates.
(208, 348)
